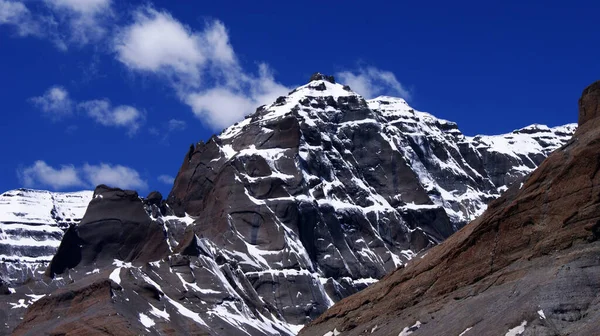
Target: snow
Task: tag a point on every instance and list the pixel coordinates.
(306, 91)
(523, 143)
(409, 330)
(180, 308)
(146, 321)
(37, 218)
(295, 328)
(120, 263)
(334, 332)
(228, 151)
(159, 313)
(20, 304)
(408, 133)
(541, 314)
(518, 330)
(186, 312)
(115, 275)
(35, 297)
(195, 287)
(464, 332)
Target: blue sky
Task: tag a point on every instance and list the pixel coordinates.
(103, 91)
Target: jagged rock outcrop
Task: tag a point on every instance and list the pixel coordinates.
(528, 266)
(306, 201)
(115, 227)
(589, 104)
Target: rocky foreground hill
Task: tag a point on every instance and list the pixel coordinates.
(306, 201)
(528, 266)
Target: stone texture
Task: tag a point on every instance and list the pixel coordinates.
(589, 106)
(530, 260)
(305, 202)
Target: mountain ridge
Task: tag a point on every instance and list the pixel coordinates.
(304, 202)
(527, 266)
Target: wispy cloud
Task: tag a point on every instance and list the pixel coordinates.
(84, 21)
(64, 22)
(40, 174)
(55, 102)
(166, 179)
(16, 14)
(176, 125)
(371, 82)
(103, 113)
(159, 44)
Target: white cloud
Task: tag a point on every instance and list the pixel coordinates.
(63, 22)
(83, 21)
(371, 82)
(158, 43)
(176, 125)
(166, 179)
(40, 174)
(219, 107)
(84, 7)
(55, 102)
(114, 176)
(222, 106)
(121, 116)
(17, 15)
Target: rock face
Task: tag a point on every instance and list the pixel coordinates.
(528, 266)
(589, 106)
(115, 227)
(306, 201)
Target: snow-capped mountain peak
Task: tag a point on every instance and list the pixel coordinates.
(304, 202)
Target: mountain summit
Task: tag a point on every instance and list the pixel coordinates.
(306, 201)
(528, 266)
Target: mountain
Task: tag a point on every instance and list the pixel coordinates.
(32, 223)
(305, 202)
(528, 266)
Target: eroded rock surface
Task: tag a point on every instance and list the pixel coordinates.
(528, 266)
(305, 202)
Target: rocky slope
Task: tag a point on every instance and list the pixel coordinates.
(528, 266)
(308, 200)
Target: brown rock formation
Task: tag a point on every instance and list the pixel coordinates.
(589, 104)
(528, 265)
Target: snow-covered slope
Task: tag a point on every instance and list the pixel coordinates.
(462, 173)
(32, 223)
(511, 155)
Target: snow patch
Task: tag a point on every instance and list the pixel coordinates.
(146, 321)
(464, 332)
(159, 313)
(541, 314)
(115, 275)
(409, 330)
(518, 330)
(334, 332)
